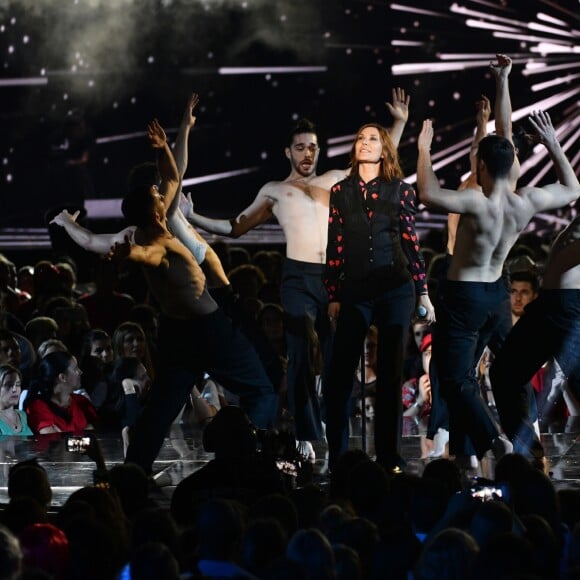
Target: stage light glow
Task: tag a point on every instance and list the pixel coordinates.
(554, 82)
(551, 48)
(465, 55)
(435, 67)
(528, 38)
(485, 15)
(23, 82)
(124, 137)
(489, 25)
(218, 176)
(254, 70)
(551, 19)
(415, 10)
(549, 29)
(407, 43)
(534, 68)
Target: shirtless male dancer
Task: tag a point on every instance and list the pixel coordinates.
(549, 327)
(194, 334)
(474, 301)
(300, 202)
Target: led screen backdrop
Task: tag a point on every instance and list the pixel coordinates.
(259, 65)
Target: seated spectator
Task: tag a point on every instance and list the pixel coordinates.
(106, 307)
(97, 343)
(220, 528)
(448, 555)
(53, 407)
(153, 560)
(129, 340)
(17, 350)
(39, 329)
(12, 420)
(237, 472)
(310, 548)
(29, 479)
(51, 345)
(147, 318)
(45, 547)
(417, 405)
(71, 319)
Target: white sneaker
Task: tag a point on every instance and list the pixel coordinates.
(306, 451)
(439, 441)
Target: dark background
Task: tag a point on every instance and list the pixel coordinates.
(119, 63)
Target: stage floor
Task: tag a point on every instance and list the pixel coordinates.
(182, 454)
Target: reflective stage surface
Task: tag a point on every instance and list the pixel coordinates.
(183, 453)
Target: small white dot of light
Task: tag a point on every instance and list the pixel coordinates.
(2, 28)
(283, 18)
(42, 72)
(403, 30)
(416, 24)
(431, 103)
(65, 97)
(275, 84)
(115, 105)
(367, 108)
(523, 44)
(244, 4)
(349, 51)
(81, 62)
(294, 116)
(11, 150)
(25, 39)
(73, 68)
(151, 59)
(379, 61)
(8, 177)
(53, 107)
(105, 161)
(5, 161)
(91, 83)
(321, 91)
(442, 181)
(133, 100)
(13, 21)
(263, 155)
(228, 154)
(210, 55)
(5, 65)
(10, 49)
(268, 77)
(326, 35)
(369, 8)
(456, 96)
(77, 55)
(416, 82)
(347, 11)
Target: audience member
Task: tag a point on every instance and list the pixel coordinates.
(13, 421)
(53, 406)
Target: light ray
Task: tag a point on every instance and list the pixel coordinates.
(261, 70)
